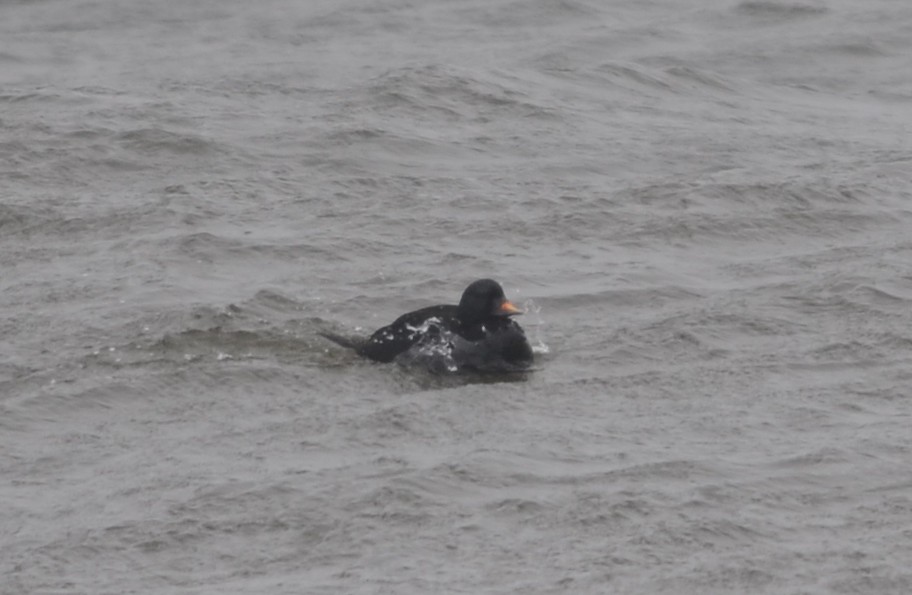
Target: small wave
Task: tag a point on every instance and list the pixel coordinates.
(395, 503)
(436, 93)
(209, 247)
(533, 13)
(861, 49)
(870, 349)
(877, 296)
(397, 421)
(145, 140)
(651, 295)
(816, 458)
(274, 301)
(852, 296)
(780, 10)
(267, 327)
(624, 74)
(11, 58)
(30, 97)
(658, 77)
(14, 218)
(357, 135)
(689, 74)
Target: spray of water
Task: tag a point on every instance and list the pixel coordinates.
(533, 320)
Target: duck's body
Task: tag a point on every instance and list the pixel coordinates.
(476, 334)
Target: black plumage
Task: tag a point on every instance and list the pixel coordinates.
(478, 333)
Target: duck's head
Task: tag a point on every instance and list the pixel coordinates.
(485, 298)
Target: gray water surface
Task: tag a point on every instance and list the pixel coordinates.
(706, 207)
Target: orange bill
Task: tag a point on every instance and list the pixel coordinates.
(507, 308)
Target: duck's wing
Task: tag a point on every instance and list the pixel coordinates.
(407, 330)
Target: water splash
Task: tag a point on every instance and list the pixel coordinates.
(435, 348)
(534, 321)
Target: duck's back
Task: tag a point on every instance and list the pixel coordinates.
(498, 344)
(390, 341)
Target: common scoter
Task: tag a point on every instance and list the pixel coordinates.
(477, 334)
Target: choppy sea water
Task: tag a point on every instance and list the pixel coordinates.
(704, 205)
